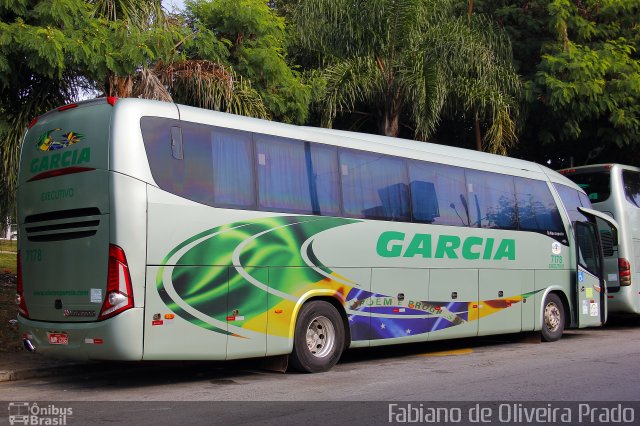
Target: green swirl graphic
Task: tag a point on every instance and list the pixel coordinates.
(256, 264)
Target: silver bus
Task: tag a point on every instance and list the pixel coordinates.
(157, 231)
(614, 189)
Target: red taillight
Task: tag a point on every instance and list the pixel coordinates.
(22, 305)
(119, 295)
(33, 122)
(624, 270)
(66, 107)
(111, 100)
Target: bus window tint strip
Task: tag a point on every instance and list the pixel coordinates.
(268, 173)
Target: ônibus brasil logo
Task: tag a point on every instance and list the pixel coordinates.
(26, 413)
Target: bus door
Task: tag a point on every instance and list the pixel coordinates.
(591, 288)
(590, 285)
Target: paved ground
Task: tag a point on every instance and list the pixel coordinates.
(25, 365)
(594, 367)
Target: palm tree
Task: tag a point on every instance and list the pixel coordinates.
(55, 76)
(420, 58)
(204, 84)
(137, 12)
(27, 99)
(197, 82)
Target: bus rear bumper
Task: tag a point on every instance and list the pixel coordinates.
(118, 339)
(623, 301)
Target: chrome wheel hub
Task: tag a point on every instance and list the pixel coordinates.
(552, 317)
(321, 337)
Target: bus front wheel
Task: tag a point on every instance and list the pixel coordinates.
(553, 318)
(318, 338)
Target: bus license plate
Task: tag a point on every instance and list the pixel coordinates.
(58, 339)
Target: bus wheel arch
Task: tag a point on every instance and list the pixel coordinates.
(554, 316)
(321, 334)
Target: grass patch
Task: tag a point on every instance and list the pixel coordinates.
(8, 263)
(8, 245)
(9, 336)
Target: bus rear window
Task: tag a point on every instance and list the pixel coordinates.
(597, 185)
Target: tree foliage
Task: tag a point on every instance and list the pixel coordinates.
(256, 45)
(54, 51)
(412, 65)
(201, 83)
(589, 77)
(414, 58)
(51, 51)
(580, 63)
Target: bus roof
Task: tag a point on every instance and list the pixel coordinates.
(598, 168)
(377, 143)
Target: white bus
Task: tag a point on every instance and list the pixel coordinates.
(156, 231)
(614, 189)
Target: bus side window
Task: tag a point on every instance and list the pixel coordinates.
(492, 200)
(374, 186)
(233, 174)
(537, 210)
(585, 201)
(437, 193)
(296, 176)
(158, 141)
(631, 182)
(571, 200)
(424, 201)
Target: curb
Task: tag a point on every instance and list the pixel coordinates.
(96, 369)
(70, 369)
(36, 373)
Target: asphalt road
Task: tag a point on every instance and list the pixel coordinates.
(585, 365)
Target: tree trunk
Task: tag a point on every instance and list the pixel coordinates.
(478, 133)
(476, 123)
(390, 121)
(390, 125)
(121, 87)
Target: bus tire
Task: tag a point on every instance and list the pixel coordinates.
(318, 339)
(553, 318)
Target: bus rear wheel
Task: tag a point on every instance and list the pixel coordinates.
(553, 318)
(319, 338)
